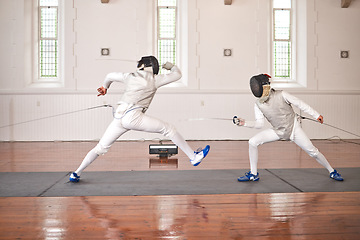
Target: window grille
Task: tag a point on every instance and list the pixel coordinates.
(166, 34)
(282, 43)
(48, 38)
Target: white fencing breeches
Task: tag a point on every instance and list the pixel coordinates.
(298, 136)
(134, 120)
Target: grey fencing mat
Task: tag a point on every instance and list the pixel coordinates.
(175, 182)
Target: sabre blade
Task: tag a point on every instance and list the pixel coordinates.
(302, 117)
(205, 119)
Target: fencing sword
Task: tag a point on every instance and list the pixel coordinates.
(190, 119)
(57, 115)
(313, 120)
(203, 119)
(302, 117)
(81, 110)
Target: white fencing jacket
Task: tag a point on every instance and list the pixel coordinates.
(279, 112)
(140, 87)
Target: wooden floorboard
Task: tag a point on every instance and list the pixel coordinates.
(229, 216)
(128, 156)
(237, 216)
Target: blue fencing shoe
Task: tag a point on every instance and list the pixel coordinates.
(249, 177)
(335, 175)
(200, 154)
(74, 177)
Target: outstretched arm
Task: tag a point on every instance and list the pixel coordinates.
(114, 77)
(258, 123)
(110, 78)
(302, 106)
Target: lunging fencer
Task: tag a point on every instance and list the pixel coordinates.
(130, 114)
(276, 107)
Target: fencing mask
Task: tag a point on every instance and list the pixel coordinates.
(149, 61)
(256, 85)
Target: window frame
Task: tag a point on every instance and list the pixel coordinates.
(40, 39)
(182, 46)
(175, 38)
(291, 40)
(32, 56)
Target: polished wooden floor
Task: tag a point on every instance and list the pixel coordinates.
(230, 216)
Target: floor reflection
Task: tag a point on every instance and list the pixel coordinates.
(230, 216)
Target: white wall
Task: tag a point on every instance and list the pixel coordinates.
(217, 86)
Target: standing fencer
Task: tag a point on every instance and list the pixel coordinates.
(276, 107)
(130, 114)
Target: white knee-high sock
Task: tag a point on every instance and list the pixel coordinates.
(183, 145)
(253, 155)
(320, 158)
(89, 158)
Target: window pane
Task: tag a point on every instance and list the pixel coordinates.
(282, 3)
(48, 23)
(167, 18)
(166, 26)
(167, 3)
(167, 51)
(48, 42)
(48, 58)
(282, 24)
(282, 58)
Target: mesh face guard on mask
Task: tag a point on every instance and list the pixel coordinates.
(257, 82)
(149, 61)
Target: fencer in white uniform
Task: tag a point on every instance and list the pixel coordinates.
(140, 88)
(276, 107)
